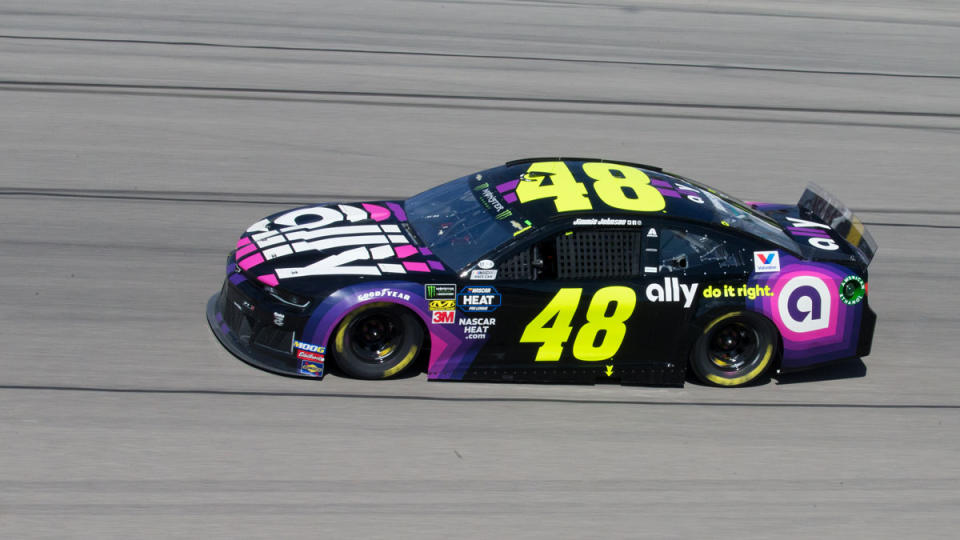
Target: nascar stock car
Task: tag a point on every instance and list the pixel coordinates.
(552, 270)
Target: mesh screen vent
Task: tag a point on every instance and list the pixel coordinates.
(520, 266)
(597, 254)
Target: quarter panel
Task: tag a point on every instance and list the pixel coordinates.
(805, 304)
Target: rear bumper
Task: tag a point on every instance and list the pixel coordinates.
(254, 341)
(868, 323)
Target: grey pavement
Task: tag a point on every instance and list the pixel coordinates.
(140, 138)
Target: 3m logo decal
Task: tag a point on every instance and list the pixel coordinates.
(804, 304)
(766, 261)
(444, 317)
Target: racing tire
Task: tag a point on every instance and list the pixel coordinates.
(377, 341)
(734, 349)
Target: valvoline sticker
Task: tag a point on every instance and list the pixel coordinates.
(766, 261)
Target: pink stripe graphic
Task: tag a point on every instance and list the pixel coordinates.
(378, 213)
(416, 266)
(251, 261)
(242, 252)
(269, 279)
(244, 240)
(405, 251)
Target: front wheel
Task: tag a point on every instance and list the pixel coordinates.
(377, 341)
(734, 349)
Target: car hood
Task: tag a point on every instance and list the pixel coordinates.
(368, 240)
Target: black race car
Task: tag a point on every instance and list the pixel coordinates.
(552, 270)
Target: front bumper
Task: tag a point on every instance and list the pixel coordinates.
(247, 330)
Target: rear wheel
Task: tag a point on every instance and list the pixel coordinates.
(734, 349)
(377, 341)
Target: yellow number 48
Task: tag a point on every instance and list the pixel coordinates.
(620, 186)
(553, 325)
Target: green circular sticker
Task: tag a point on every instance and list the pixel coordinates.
(852, 290)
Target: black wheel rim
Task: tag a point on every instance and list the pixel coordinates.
(376, 336)
(734, 346)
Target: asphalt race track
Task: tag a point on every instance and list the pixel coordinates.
(140, 138)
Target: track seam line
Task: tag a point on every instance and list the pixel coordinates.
(459, 97)
(251, 393)
(596, 61)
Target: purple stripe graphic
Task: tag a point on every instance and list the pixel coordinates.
(660, 183)
(510, 198)
(669, 192)
(808, 232)
(508, 186)
(397, 211)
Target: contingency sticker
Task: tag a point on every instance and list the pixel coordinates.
(311, 364)
(485, 275)
(441, 300)
(766, 261)
(478, 299)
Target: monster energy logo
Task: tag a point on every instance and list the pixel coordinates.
(440, 292)
(481, 186)
(505, 214)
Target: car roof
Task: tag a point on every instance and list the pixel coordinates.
(682, 198)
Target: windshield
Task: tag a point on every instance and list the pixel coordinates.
(454, 225)
(736, 214)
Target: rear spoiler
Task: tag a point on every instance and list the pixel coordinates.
(830, 210)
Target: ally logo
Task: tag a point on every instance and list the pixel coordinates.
(766, 261)
(804, 304)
